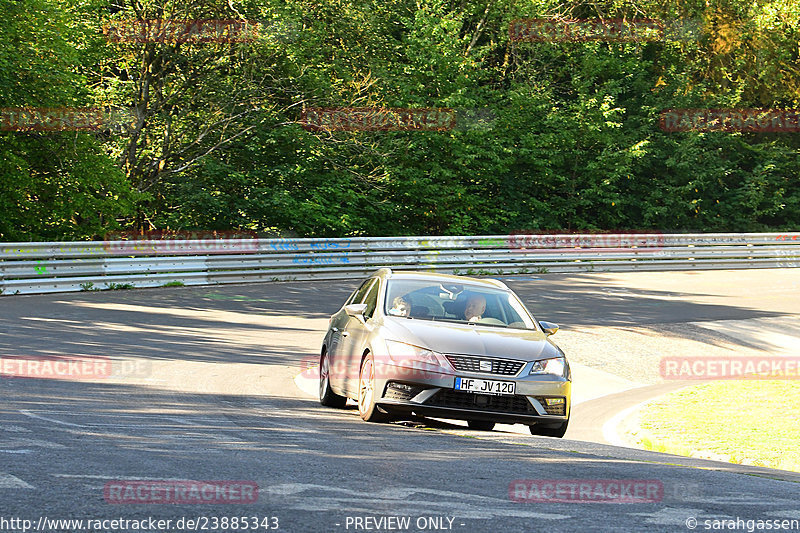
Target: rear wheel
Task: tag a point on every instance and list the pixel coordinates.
(480, 425)
(550, 430)
(367, 407)
(327, 397)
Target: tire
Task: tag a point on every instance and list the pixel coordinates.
(480, 425)
(327, 397)
(367, 407)
(549, 430)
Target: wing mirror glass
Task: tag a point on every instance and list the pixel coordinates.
(548, 327)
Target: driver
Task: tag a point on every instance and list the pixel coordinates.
(476, 305)
(400, 307)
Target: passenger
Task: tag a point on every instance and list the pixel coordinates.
(476, 305)
(400, 307)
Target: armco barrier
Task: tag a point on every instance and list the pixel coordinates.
(30, 268)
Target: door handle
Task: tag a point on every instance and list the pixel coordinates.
(345, 333)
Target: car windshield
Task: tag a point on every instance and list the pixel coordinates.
(456, 302)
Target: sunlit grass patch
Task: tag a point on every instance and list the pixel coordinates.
(752, 422)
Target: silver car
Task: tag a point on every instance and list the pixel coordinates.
(444, 346)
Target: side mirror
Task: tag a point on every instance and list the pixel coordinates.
(548, 327)
(355, 310)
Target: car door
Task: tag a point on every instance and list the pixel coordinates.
(337, 347)
(355, 336)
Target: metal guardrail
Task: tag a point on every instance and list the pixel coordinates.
(30, 268)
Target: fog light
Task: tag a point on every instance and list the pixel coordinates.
(401, 391)
(553, 405)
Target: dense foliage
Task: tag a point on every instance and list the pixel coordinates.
(551, 135)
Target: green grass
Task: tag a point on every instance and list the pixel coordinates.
(174, 284)
(119, 286)
(754, 422)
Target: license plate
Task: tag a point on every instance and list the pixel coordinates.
(485, 386)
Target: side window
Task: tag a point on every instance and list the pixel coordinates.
(358, 295)
(371, 300)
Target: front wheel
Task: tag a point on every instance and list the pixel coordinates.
(327, 397)
(367, 407)
(550, 430)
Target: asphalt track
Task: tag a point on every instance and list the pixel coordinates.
(204, 388)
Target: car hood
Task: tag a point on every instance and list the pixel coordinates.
(447, 337)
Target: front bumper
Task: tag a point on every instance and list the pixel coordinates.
(401, 390)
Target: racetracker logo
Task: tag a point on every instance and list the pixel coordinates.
(51, 119)
(743, 120)
(730, 368)
(67, 368)
(180, 492)
(181, 31)
(559, 241)
(378, 119)
(398, 367)
(586, 491)
(181, 242)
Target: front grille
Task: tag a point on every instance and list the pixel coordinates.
(471, 363)
(482, 402)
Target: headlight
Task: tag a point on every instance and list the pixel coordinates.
(555, 366)
(406, 354)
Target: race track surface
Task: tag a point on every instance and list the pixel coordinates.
(203, 387)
